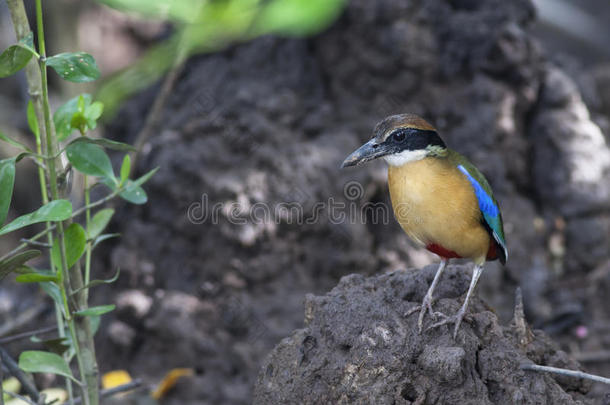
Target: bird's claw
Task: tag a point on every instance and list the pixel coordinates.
(412, 310)
(454, 319)
(426, 306)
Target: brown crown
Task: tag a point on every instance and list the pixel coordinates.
(402, 121)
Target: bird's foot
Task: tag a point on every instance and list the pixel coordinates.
(454, 319)
(426, 306)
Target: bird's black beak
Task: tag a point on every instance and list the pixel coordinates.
(369, 151)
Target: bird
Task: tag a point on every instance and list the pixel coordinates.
(439, 198)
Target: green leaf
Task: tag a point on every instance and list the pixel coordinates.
(93, 283)
(176, 10)
(75, 241)
(37, 277)
(53, 291)
(58, 345)
(34, 361)
(76, 67)
(95, 323)
(96, 311)
(78, 113)
(105, 143)
(27, 42)
(78, 120)
(90, 159)
(297, 17)
(28, 154)
(81, 104)
(7, 182)
(14, 143)
(132, 190)
(93, 113)
(13, 60)
(32, 119)
(64, 114)
(125, 169)
(25, 269)
(104, 237)
(134, 194)
(57, 210)
(143, 179)
(16, 261)
(99, 222)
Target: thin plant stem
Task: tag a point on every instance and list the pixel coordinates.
(155, 114)
(97, 203)
(20, 397)
(34, 81)
(82, 339)
(18, 336)
(35, 72)
(24, 244)
(34, 243)
(41, 177)
(563, 371)
(105, 393)
(89, 246)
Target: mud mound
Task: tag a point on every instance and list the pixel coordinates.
(358, 348)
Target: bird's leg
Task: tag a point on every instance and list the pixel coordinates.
(457, 318)
(426, 304)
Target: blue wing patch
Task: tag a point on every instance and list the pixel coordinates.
(489, 209)
(486, 204)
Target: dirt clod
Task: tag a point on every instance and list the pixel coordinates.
(365, 351)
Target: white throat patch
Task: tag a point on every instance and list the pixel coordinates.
(406, 156)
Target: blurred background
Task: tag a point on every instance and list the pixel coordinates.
(250, 106)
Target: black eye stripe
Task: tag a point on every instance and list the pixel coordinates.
(413, 139)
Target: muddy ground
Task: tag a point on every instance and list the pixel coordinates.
(358, 347)
(216, 267)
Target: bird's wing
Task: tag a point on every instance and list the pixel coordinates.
(487, 203)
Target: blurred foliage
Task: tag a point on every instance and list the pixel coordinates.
(202, 26)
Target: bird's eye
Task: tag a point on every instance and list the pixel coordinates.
(398, 136)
